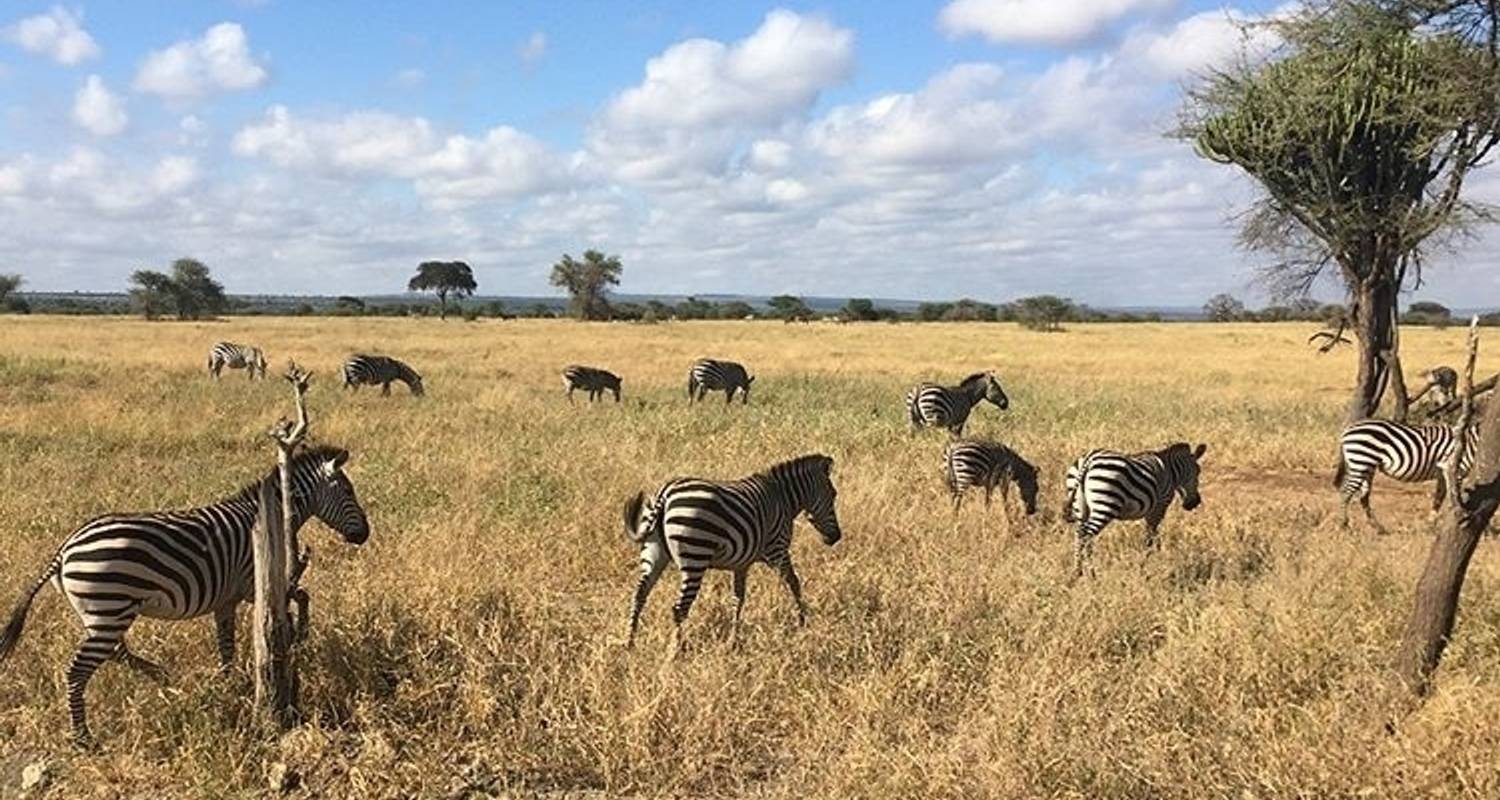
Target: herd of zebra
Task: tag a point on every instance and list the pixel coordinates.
(184, 564)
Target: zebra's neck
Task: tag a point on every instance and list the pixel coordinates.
(301, 496)
(791, 482)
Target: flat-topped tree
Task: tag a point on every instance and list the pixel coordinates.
(1359, 131)
(443, 278)
(587, 283)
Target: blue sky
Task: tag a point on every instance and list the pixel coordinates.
(984, 148)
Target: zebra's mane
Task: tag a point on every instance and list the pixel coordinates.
(975, 378)
(308, 455)
(799, 465)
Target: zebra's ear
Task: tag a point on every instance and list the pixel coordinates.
(1199, 450)
(340, 458)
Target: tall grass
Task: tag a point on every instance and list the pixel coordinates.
(474, 644)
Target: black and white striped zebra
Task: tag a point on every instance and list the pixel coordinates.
(237, 356)
(593, 380)
(708, 374)
(704, 524)
(929, 404)
(987, 465)
(176, 565)
(364, 369)
(1408, 453)
(1104, 486)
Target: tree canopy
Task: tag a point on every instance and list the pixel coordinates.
(1044, 312)
(1223, 308)
(443, 278)
(587, 283)
(189, 291)
(790, 308)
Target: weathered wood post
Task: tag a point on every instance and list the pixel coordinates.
(275, 545)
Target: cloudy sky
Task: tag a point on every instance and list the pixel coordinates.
(984, 148)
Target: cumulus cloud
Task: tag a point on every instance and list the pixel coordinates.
(533, 50)
(1049, 22)
(98, 110)
(57, 34)
(218, 61)
(1199, 42)
(451, 170)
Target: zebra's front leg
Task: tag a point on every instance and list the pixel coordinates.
(653, 562)
(692, 580)
(224, 629)
(1153, 529)
(739, 598)
(570, 395)
(793, 585)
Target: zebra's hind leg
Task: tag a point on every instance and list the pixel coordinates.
(145, 666)
(224, 623)
(739, 598)
(692, 579)
(1364, 501)
(1083, 552)
(98, 646)
(793, 585)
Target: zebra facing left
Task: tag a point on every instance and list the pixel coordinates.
(701, 524)
(177, 565)
(1104, 486)
(237, 356)
(929, 404)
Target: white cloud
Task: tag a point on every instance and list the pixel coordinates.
(219, 61)
(98, 110)
(1199, 42)
(1051, 22)
(533, 50)
(13, 178)
(57, 34)
(174, 174)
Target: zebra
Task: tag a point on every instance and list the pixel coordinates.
(1408, 453)
(708, 374)
(988, 464)
(704, 524)
(361, 369)
(237, 356)
(177, 565)
(1104, 485)
(594, 380)
(948, 406)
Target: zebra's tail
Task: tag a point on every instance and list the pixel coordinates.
(1340, 470)
(12, 632)
(633, 508)
(948, 471)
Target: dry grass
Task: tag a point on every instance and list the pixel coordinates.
(473, 644)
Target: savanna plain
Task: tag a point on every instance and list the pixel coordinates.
(474, 646)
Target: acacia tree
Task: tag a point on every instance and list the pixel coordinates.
(587, 283)
(443, 278)
(1223, 308)
(790, 308)
(8, 284)
(189, 291)
(1360, 133)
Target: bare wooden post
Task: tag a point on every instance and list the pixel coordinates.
(1473, 497)
(278, 566)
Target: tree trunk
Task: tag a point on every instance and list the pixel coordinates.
(1374, 322)
(275, 686)
(442, 305)
(1431, 622)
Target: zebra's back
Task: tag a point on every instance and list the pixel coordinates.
(938, 406)
(1410, 453)
(721, 524)
(1123, 487)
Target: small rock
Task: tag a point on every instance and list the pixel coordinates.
(282, 778)
(35, 776)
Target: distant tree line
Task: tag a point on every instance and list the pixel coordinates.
(1226, 308)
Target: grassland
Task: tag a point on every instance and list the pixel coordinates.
(472, 647)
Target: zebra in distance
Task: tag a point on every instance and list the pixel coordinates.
(708, 374)
(591, 379)
(983, 464)
(929, 404)
(705, 524)
(237, 356)
(1408, 453)
(364, 369)
(1103, 486)
(177, 565)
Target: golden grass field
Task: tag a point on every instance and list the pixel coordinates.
(473, 646)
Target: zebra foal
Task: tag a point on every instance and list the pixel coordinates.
(987, 465)
(701, 524)
(932, 405)
(1408, 453)
(362, 369)
(592, 380)
(1104, 486)
(237, 356)
(709, 374)
(176, 565)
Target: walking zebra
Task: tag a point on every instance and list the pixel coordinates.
(710, 374)
(594, 381)
(1104, 486)
(367, 369)
(1408, 453)
(176, 565)
(988, 464)
(704, 524)
(237, 356)
(949, 406)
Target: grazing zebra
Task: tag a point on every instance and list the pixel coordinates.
(710, 374)
(988, 464)
(1408, 453)
(1103, 486)
(704, 524)
(176, 565)
(949, 406)
(237, 356)
(594, 381)
(362, 369)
